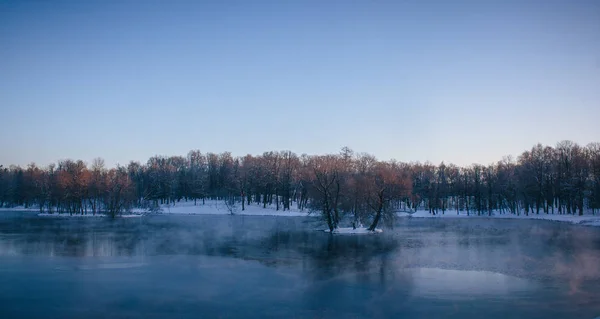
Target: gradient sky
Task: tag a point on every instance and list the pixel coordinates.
(459, 81)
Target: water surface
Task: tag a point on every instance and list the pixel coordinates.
(260, 267)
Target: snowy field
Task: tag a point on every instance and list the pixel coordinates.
(212, 207)
(187, 208)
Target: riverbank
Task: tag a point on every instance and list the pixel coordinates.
(211, 207)
(587, 219)
(65, 215)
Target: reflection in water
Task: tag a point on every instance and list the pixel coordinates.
(453, 284)
(534, 264)
(97, 266)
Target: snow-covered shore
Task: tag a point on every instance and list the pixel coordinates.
(220, 208)
(56, 215)
(587, 219)
(211, 207)
(185, 208)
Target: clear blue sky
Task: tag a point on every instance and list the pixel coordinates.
(459, 81)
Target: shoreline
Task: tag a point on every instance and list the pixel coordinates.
(585, 220)
(215, 208)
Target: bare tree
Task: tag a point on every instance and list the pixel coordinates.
(385, 183)
(326, 181)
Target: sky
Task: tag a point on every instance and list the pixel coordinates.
(455, 81)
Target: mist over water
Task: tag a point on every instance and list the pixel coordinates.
(251, 266)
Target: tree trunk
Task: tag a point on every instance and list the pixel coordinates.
(377, 215)
(375, 221)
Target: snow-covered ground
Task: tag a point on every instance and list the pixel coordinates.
(212, 207)
(131, 214)
(587, 219)
(20, 209)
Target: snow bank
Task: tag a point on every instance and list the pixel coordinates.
(588, 220)
(354, 231)
(20, 209)
(210, 207)
(213, 207)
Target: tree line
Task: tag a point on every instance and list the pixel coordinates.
(564, 179)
